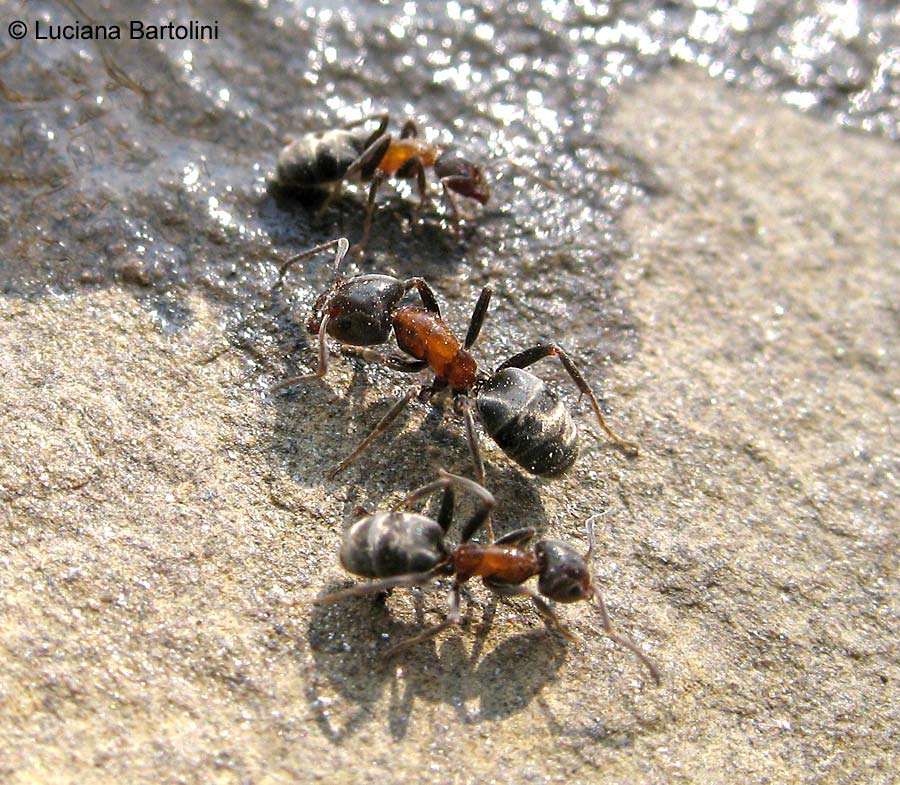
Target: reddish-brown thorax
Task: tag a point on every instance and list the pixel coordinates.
(503, 563)
(425, 336)
(402, 150)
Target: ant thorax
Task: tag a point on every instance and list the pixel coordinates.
(403, 150)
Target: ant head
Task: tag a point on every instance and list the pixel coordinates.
(462, 176)
(358, 309)
(564, 575)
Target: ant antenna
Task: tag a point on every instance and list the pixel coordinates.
(591, 537)
(342, 244)
(616, 638)
(604, 615)
(521, 168)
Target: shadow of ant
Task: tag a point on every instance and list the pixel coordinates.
(416, 243)
(347, 640)
(436, 437)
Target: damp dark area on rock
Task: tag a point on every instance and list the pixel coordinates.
(145, 163)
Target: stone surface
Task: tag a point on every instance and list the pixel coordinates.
(161, 513)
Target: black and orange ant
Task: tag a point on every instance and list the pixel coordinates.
(518, 410)
(321, 161)
(408, 549)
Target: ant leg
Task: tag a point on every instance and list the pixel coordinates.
(448, 195)
(367, 168)
(361, 589)
(421, 186)
(447, 481)
(426, 293)
(377, 180)
(445, 514)
(482, 515)
(396, 361)
(367, 163)
(477, 462)
(342, 244)
(323, 362)
(478, 316)
(519, 537)
(539, 604)
(472, 439)
(435, 485)
(415, 168)
(330, 195)
(380, 428)
(382, 117)
(539, 352)
(616, 638)
(453, 618)
(410, 130)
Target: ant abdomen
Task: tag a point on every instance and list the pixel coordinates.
(528, 421)
(388, 544)
(316, 160)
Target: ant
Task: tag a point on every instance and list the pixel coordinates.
(321, 161)
(518, 410)
(408, 549)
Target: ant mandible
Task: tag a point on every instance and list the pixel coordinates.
(408, 549)
(321, 161)
(518, 410)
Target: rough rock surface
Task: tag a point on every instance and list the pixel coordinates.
(160, 512)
